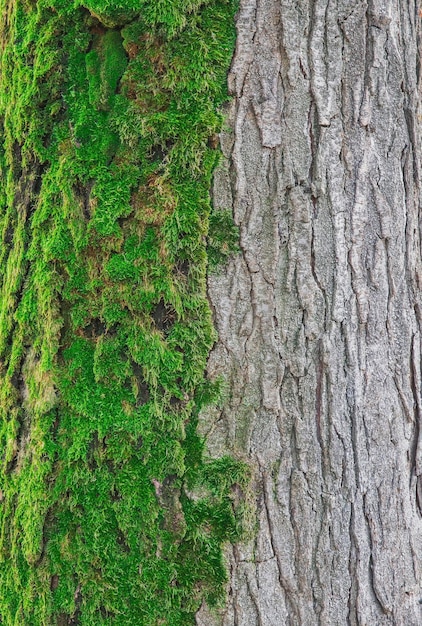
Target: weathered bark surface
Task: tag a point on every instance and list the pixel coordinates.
(319, 317)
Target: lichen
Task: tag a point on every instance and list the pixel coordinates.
(106, 110)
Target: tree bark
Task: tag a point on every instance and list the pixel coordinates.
(319, 316)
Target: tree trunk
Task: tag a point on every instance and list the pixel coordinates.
(109, 514)
(319, 317)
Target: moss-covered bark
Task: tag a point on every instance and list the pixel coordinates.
(108, 111)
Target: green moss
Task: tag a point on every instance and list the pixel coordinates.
(106, 110)
(114, 13)
(223, 238)
(105, 65)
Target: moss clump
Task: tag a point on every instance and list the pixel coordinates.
(105, 65)
(223, 238)
(106, 110)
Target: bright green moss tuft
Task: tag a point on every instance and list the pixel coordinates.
(106, 111)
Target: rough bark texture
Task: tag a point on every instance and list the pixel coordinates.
(319, 316)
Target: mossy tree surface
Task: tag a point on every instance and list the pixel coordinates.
(107, 109)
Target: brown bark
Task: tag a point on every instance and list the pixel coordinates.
(319, 316)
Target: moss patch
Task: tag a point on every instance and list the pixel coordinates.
(106, 110)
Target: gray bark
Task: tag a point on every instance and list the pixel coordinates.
(319, 317)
